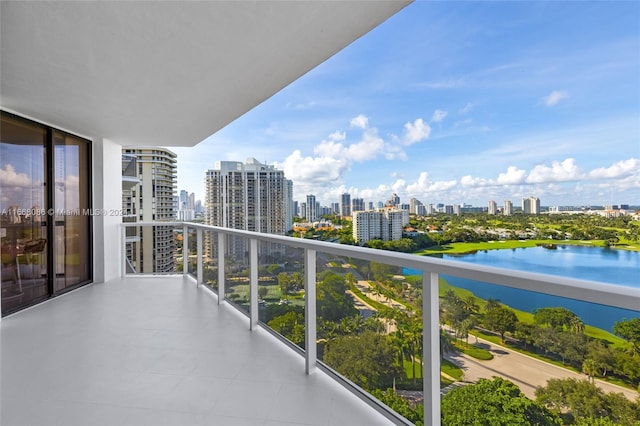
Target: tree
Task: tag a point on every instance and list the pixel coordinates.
(590, 368)
(262, 291)
(333, 302)
(558, 318)
(400, 405)
(491, 303)
(501, 319)
(493, 402)
(369, 360)
(601, 355)
(291, 326)
(581, 399)
(629, 330)
(274, 268)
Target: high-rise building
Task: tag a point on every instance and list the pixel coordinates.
(531, 205)
(357, 205)
(414, 203)
(311, 214)
(186, 209)
(335, 208)
(535, 205)
(251, 196)
(385, 224)
(345, 204)
(152, 249)
(508, 208)
(394, 200)
(290, 206)
(493, 207)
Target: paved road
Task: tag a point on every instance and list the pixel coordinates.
(523, 370)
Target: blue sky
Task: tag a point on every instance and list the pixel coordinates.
(458, 102)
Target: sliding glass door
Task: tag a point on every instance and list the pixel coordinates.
(45, 235)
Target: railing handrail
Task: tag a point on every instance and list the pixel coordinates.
(614, 295)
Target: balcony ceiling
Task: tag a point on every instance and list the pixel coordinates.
(165, 73)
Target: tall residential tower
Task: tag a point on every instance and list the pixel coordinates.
(150, 198)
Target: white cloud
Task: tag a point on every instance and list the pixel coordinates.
(368, 148)
(360, 121)
(554, 97)
(338, 136)
(470, 181)
(465, 109)
(438, 116)
(416, 131)
(618, 170)
(313, 170)
(424, 185)
(16, 188)
(564, 171)
(513, 176)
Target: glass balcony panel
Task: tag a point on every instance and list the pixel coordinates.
(192, 250)
(236, 271)
(537, 341)
(153, 250)
(281, 290)
(370, 327)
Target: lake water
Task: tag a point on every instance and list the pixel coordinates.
(588, 263)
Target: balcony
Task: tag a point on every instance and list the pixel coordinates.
(187, 349)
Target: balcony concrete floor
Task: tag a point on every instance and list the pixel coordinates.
(158, 351)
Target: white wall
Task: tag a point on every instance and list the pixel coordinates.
(107, 199)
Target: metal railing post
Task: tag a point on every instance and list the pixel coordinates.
(123, 246)
(253, 283)
(310, 334)
(431, 348)
(221, 248)
(199, 257)
(185, 249)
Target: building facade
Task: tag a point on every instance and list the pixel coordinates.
(531, 205)
(311, 213)
(345, 204)
(151, 249)
(493, 207)
(250, 196)
(384, 224)
(508, 208)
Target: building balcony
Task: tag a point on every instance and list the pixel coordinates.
(192, 347)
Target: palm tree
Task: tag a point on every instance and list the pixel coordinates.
(491, 304)
(576, 325)
(445, 343)
(469, 305)
(590, 368)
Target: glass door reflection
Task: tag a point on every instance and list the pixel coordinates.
(23, 218)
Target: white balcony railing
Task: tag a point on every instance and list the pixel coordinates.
(587, 291)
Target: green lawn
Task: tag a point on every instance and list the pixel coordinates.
(462, 248)
(451, 369)
(473, 351)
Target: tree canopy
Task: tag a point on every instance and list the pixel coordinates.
(367, 359)
(629, 330)
(493, 402)
(582, 402)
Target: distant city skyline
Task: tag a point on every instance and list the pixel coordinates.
(458, 102)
